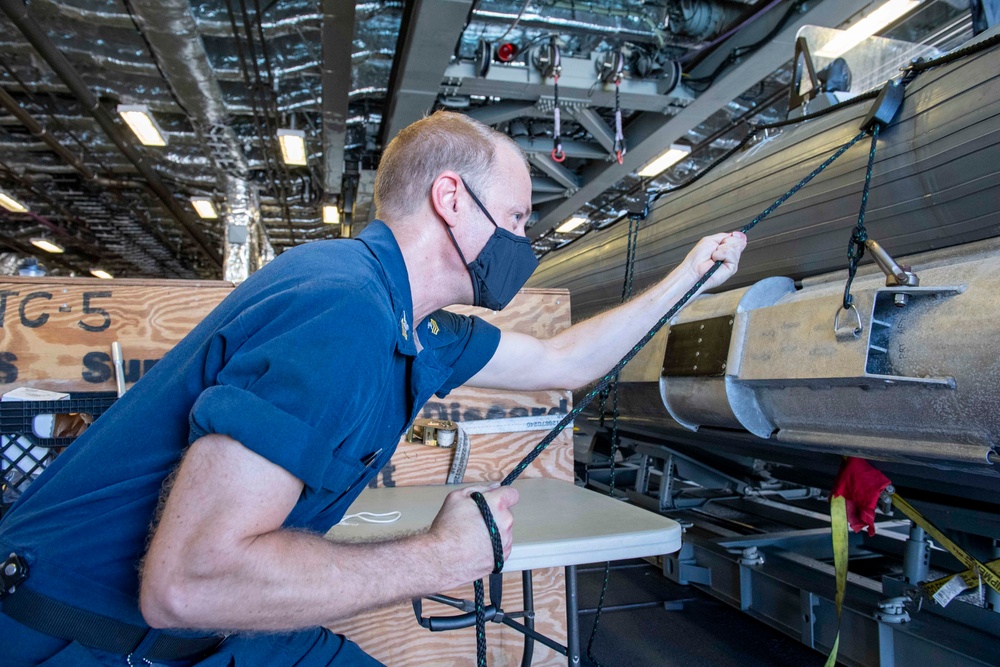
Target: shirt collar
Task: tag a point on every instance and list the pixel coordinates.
(382, 244)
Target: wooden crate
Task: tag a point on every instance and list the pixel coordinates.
(392, 635)
(56, 333)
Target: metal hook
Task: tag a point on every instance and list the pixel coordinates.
(847, 333)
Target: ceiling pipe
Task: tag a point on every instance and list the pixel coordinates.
(17, 12)
(338, 45)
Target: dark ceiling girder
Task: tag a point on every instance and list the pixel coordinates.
(338, 48)
(649, 135)
(17, 12)
(38, 131)
(425, 49)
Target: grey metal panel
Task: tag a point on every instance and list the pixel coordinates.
(578, 84)
(338, 47)
(650, 134)
(435, 27)
(934, 185)
(581, 149)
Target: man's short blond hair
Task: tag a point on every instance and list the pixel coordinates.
(419, 153)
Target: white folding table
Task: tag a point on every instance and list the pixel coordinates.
(556, 524)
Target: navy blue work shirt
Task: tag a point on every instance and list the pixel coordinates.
(311, 363)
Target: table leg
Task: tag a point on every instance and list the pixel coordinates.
(529, 619)
(572, 619)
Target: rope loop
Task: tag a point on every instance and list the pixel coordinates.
(491, 527)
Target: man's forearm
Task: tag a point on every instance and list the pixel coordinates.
(589, 349)
(220, 558)
(286, 580)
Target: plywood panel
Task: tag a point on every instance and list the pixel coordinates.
(392, 635)
(57, 333)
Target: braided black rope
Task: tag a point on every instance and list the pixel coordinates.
(480, 596)
(633, 241)
(610, 376)
(491, 526)
(856, 244)
(480, 599)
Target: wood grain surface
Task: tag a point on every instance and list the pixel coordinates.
(56, 333)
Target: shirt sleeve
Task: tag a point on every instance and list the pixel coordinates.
(468, 345)
(294, 390)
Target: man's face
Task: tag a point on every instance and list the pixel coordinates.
(507, 196)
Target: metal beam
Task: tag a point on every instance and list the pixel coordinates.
(559, 173)
(593, 123)
(578, 84)
(433, 27)
(650, 134)
(501, 112)
(582, 149)
(543, 184)
(338, 46)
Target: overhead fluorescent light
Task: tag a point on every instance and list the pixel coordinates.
(101, 273)
(866, 27)
(48, 246)
(204, 207)
(331, 215)
(676, 153)
(12, 204)
(571, 224)
(140, 120)
(293, 147)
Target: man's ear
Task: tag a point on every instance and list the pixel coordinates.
(445, 195)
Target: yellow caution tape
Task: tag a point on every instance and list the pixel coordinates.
(989, 576)
(838, 530)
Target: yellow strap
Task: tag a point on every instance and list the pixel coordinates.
(989, 577)
(838, 531)
(969, 577)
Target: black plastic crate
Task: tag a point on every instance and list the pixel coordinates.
(23, 454)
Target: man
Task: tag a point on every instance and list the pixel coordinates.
(280, 407)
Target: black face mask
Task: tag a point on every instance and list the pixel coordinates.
(502, 268)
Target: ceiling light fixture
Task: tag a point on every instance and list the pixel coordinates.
(331, 215)
(141, 122)
(12, 204)
(204, 207)
(675, 154)
(293, 147)
(48, 246)
(866, 27)
(571, 224)
(101, 273)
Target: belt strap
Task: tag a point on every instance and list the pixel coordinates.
(63, 621)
